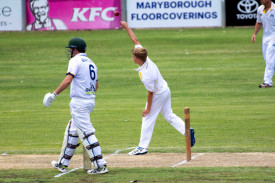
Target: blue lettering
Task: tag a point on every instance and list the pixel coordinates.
(191, 15)
(201, 15)
(172, 16)
(185, 15)
(214, 15)
(173, 4)
(165, 16)
(154, 5)
(152, 16)
(194, 4)
(140, 5)
(138, 18)
(158, 16)
(186, 4)
(144, 16)
(84, 60)
(209, 3)
(207, 15)
(160, 4)
(133, 16)
(180, 4)
(201, 4)
(166, 4)
(179, 15)
(147, 5)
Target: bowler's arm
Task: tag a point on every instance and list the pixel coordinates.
(258, 26)
(130, 32)
(149, 104)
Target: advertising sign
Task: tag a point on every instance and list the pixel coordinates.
(11, 15)
(241, 12)
(72, 14)
(176, 13)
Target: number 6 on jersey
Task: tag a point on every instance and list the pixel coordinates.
(92, 72)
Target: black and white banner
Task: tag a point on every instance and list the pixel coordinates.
(174, 13)
(241, 12)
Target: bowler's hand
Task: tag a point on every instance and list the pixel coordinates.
(49, 98)
(253, 38)
(124, 24)
(145, 112)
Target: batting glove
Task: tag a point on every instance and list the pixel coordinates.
(49, 98)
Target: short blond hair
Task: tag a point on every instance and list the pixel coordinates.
(140, 53)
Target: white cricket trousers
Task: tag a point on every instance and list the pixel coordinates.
(269, 57)
(80, 111)
(161, 103)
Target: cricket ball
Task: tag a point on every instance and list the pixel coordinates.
(116, 13)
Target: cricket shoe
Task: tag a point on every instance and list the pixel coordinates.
(265, 85)
(61, 168)
(101, 170)
(192, 134)
(138, 151)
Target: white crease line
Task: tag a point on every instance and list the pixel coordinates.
(185, 161)
(59, 175)
(115, 153)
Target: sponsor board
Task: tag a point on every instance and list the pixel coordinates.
(11, 15)
(72, 14)
(176, 13)
(241, 12)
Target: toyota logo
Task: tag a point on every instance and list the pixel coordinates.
(248, 6)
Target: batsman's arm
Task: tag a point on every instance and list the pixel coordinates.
(49, 97)
(149, 104)
(96, 85)
(130, 32)
(258, 26)
(64, 84)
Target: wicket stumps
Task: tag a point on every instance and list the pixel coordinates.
(87, 165)
(187, 133)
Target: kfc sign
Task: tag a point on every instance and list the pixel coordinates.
(78, 14)
(72, 15)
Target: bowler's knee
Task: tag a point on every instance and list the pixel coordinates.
(169, 117)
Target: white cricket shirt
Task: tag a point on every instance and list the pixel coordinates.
(150, 76)
(84, 72)
(268, 21)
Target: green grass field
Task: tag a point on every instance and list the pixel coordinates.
(214, 71)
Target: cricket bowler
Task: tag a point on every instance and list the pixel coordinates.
(158, 98)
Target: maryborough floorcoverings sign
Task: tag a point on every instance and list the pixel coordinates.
(164, 13)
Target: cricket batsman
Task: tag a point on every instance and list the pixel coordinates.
(82, 76)
(158, 97)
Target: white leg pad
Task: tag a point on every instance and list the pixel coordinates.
(70, 143)
(92, 148)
